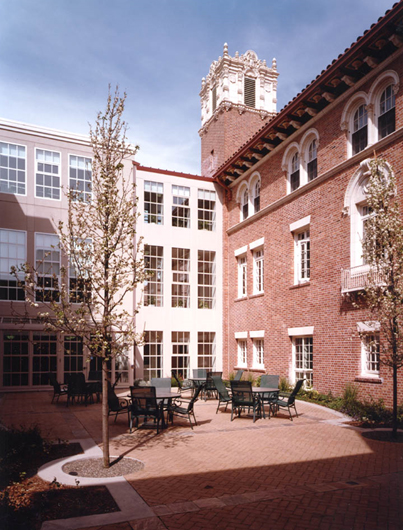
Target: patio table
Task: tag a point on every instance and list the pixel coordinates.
(261, 391)
(165, 396)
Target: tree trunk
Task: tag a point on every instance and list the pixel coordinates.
(394, 420)
(105, 410)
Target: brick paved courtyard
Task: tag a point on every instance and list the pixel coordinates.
(274, 474)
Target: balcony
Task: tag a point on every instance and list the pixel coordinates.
(354, 279)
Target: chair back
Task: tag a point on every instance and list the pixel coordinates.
(269, 381)
(95, 375)
(143, 398)
(200, 373)
(113, 400)
(238, 375)
(242, 392)
(213, 374)
(76, 383)
(161, 382)
(195, 397)
(295, 391)
(179, 382)
(221, 388)
(53, 381)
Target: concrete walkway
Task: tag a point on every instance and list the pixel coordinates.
(312, 473)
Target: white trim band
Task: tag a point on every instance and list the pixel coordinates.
(299, 332)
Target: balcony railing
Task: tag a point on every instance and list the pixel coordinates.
(356, 278)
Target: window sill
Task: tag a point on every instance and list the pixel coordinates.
(257, 295)
(259, 369)
(240, 299)
(240, 367)
(369, 379)
(299, 285)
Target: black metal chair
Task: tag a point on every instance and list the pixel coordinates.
(289, 403)
(222, 392)
(184, 385)
(268, 398)
(184, 407)
(145, 405)
(77, 388)
(117, 405)
(161, 382)
(209, 389)
(271, 381)
(238, 375)
(58, 389)
(243, 397)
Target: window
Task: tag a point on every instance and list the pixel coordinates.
(206, 279)
(258, 270)
(370, 354)
(47, 174)
(154, 266)
(47, 260)
(294, 172)
(386, 120)
(15, 359)
(180, 353)
(13, 253)
(250, 92)
(206, 210)
(242, 353)
(245, 205)
(303, 256)
(79, 272)
(153, 202)
(242, 276)
(206, 350)
(258, 353)
(122, 367)
(73, 356)
(44, 358)
(214, 98)
(312, 167)
(153, 354)
(360, 129)
(256, 196)
(12, 168)
(303, 347)
(81, 177)
(181, 206)
(180, 277)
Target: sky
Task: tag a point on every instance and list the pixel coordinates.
(57, 58)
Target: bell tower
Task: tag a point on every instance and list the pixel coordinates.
(237, 97)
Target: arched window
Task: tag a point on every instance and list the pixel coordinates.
(244, 204)
(386, 119)
(312, 167)
(360, 129)
(256, 196)
(294, 172)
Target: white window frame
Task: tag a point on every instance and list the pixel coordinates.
(154, 345)
(301, 246)
(242, 346)
(51, 244)
(242, 276)
(258, 271)
(156, 188)
(13, 254)
(77, 192)
(370, 351)
(206, 217)
(258, 353)
(206, 350)
(5, 169)
(303, 367)
(48, 173)
(181, 350)
(206, 279)
(181, 194)
(180, 287)
(156, 279)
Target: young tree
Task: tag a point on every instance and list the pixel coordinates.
(91, 297)
(383, 251)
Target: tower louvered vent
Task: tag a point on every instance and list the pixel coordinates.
(250, 92)
(214, 98)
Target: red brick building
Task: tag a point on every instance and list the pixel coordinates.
(294, 212)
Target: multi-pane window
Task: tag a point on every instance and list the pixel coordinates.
(152, 354)
(180, 277)
(386, 120)
(206, 211)
(242, 353)
(47, 174)
(181, 206)
(256, 196)
(44, 358)
(304, 359)
(79, 271)
(206, 350)
(81, 177)
(242, 276)
(13, 253)
(366, 212)
(360, 129)
(122, 367)
(303, 256)
(245, 205)
(294, 172)
(154, 267)
(47, 260)
(73, 356)
(312, 167)
(370, 352)
(180, 353)
(12, 168)
(250, 92)
(15, 359)
(258, 270)
(258, 353)
(206, 279)
(153, 202)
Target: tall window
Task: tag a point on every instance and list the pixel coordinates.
(13, 253)
(12, 169)
(360, 129)
(250, 92)
(256, 196)
(44, 358)
(180, 353)
(370, 354)
(153, 202)
(180, 277)
(206, 279)
(242, 276)
(294, 172)
(242, 353)
(15, 359)
(47, 259)
(214, 98)
(258, 270)
(245, 204)
(79, 271)
(81, 177)
(206, 350)
(73, 355)
(304, 359)
(206, 210)
(312, 161)
(181, 206)
(154, 266)
(258, 353)
(47, 174)
(153, 354)
(386, 120)
(303, 256)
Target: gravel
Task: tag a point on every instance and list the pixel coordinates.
(93, 467)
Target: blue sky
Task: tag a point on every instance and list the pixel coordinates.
(57, 58)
